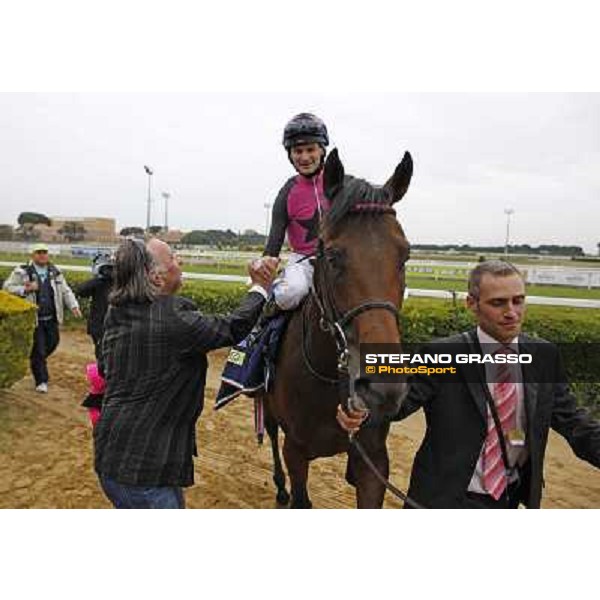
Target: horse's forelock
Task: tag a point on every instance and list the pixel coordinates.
(353, 194)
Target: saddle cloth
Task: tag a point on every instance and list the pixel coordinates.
(250, 366)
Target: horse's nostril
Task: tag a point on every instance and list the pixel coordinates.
(381, 396)
(362, 384)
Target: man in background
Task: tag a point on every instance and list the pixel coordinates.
(41, 283)
(97, 289)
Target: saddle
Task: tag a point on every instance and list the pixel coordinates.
(250, 366)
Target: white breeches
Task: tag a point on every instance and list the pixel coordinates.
(294, 283)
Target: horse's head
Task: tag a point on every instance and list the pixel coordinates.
(360, 273)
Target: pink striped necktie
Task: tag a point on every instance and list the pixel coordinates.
(505, 398)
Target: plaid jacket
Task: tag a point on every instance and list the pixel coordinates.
(155, 365)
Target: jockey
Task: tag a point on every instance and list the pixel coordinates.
(297, 212)
(299, 207)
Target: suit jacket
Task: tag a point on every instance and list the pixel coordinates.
(456, 418)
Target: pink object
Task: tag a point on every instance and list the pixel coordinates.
(96, 381)
(94, 414)
(302, 205)
(259, 418)
(505, 397)
(97, 387)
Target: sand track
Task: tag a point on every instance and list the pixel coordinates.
(46, 451)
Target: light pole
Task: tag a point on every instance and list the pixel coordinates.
(508, 212)
(267, 206)
(166, 196)
(149, 172)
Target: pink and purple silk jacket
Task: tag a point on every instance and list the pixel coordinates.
(297, 210)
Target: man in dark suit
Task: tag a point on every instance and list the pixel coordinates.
(487, 430)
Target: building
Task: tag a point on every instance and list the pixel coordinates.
(96, 229)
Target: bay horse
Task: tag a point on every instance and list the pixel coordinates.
(359, 281)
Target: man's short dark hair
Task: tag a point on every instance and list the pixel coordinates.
(496, 268)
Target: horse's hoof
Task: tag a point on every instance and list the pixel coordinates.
(283, 498)
(302, 505)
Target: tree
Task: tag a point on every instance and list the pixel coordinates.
(155, 229)
(211, 237)
(72, 231)
(250, 237)
(135, 231)
(6, 232)
(31, 218)
(27, 222)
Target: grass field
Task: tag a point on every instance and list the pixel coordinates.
(457, 285)
(544, 261)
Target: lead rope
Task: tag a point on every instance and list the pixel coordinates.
(345, 375)
(388, 485)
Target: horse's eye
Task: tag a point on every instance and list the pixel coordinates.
(404, 259)
(334, 259)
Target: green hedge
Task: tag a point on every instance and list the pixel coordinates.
(17, 322)
(423, 319)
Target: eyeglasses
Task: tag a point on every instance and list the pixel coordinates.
(41, 252)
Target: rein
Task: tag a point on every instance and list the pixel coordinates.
(386, 482)
(333, 322)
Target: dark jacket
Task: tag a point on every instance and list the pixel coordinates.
(456, 417)
(155, 367)
(97, 288)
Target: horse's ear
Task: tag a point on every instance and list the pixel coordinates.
(333, 175)
(400, 180)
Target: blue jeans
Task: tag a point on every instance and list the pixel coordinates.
(136, 496)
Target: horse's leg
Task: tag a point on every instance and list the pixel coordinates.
(297, 466)
(272, 428)
(369, 490)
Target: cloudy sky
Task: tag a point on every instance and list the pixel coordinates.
(219, 155)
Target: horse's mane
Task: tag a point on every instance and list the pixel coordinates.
(354, 192)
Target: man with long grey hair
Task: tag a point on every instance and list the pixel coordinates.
(154, 357)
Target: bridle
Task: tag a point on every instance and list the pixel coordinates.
(335, 322)
(331, 319)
